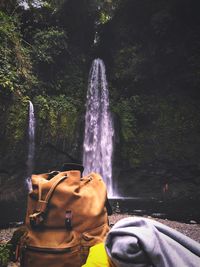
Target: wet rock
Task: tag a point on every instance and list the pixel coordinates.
(193, 222)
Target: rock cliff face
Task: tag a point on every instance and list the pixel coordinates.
(152, 62)
(154, 89)
(161, 180)
(155, 153)
(156, 148)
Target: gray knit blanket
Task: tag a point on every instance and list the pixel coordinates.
(141, 242)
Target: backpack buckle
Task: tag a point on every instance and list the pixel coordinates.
(36, 219)
(68, 220)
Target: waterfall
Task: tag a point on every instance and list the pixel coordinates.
(31, 144)
(99, 130)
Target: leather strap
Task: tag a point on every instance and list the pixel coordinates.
(42, 204)
(38, 217)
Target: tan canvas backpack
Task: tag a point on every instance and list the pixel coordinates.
(66, 215)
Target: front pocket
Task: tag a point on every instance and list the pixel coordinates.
(51, 257)
(95, 235)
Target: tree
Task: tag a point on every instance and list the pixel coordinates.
(16, 69)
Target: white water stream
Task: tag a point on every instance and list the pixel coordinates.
(99, 130)
(31, 144)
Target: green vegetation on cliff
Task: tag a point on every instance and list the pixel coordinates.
(151, 51)
(16, 68)
(158, 128)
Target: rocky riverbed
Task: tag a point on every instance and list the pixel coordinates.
(191, 230)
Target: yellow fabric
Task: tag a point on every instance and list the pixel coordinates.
(97, 257)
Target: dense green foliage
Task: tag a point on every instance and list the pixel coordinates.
(155, 45)
(58, 114)
(5, 254)
(17, 120)
(15, 72)
(164, 128)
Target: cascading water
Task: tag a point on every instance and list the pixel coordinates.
(99, 130)
(31, 144)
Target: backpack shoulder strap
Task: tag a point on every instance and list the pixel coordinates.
(42, 204)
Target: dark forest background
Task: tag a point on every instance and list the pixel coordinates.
(152, 54)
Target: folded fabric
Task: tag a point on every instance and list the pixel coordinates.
(141, 242)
